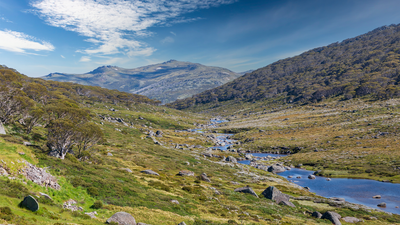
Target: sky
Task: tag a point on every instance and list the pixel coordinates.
(38, 37)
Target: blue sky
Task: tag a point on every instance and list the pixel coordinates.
(38, 37)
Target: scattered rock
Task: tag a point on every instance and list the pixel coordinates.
(234, 183)
(30, 203)
(3, 172)
(307, 188)
(316, 214)
(26, 143)
(333, 217)
(127, 170)
(328, 179)
(382, 204)
(151, 172)
(299, 165)
(298, 177)
(312, 177)
(122, 218)
(182, 223)
(247, 190)
(276, 169)
(109, 154)
(348, 219)
(142, 224)
(274, 194)
(71, 205)
(175, 202)
(290, 176)
(185, 173)
(45, 195)
(231, 159)
(159, 132)
(204, 177)
(377, 196)
(92, 214)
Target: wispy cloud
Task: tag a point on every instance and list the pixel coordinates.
(115, 26)
(19, 42)
(62, 56)
(6, 20)
(85, 59)
(167, 40)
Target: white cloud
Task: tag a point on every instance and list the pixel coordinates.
(19, 42)
(85, 59)
(173, 33)
(6, 20)
(113, 26)
(62, 57)
(167, 40)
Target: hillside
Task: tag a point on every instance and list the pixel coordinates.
(356, 67)
(89, 185)
(166, 81)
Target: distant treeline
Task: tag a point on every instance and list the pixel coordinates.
(364, 65)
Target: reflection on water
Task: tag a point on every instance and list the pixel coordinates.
(359, 191)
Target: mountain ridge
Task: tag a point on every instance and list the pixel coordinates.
(364, 65)
(165, 81)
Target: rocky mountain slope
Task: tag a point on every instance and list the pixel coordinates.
(166, 81)
(356, 67)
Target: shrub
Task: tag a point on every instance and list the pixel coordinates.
(6, 214)
(97, 204)
(93, 191)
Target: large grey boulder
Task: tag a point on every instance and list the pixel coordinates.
(247, 190)
(151, 172)
(30, 203)
(122, 218)
(274, 194)
(276, 169)
(231, 159)
(284, 202)
(333, 217)
(2, 130)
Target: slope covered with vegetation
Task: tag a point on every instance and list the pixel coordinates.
(104, 174)
(360, 66)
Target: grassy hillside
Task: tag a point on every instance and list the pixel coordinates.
(356, 67)
(110, 172)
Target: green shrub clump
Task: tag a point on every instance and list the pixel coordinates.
(97, 204)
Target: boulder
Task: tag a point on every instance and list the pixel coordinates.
(182, 223)
(204, 177)
(274, 194)
(3, 172)
(276, 169)
(316, 214)
(377, 196)
(142, 224)
(312, 177)
(290, 176)
(247, 190)
(122, 218)
(175, 202)
(2, 130)
(231, 159)
(328, 179)
(151, 172)
(382, 204)
(185, 173)
(30, 203)
(109, 154)
(333, 217)
(349, 219)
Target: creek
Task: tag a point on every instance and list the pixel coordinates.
(359, 191)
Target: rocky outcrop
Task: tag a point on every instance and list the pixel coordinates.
(30, 203)
(316, 214)
(151, 172)
(40, 176)
(71, 205)
(247, 190)
(333, 217)
(275, 195)
(349, 219)
(122, 218)
(92, 214)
